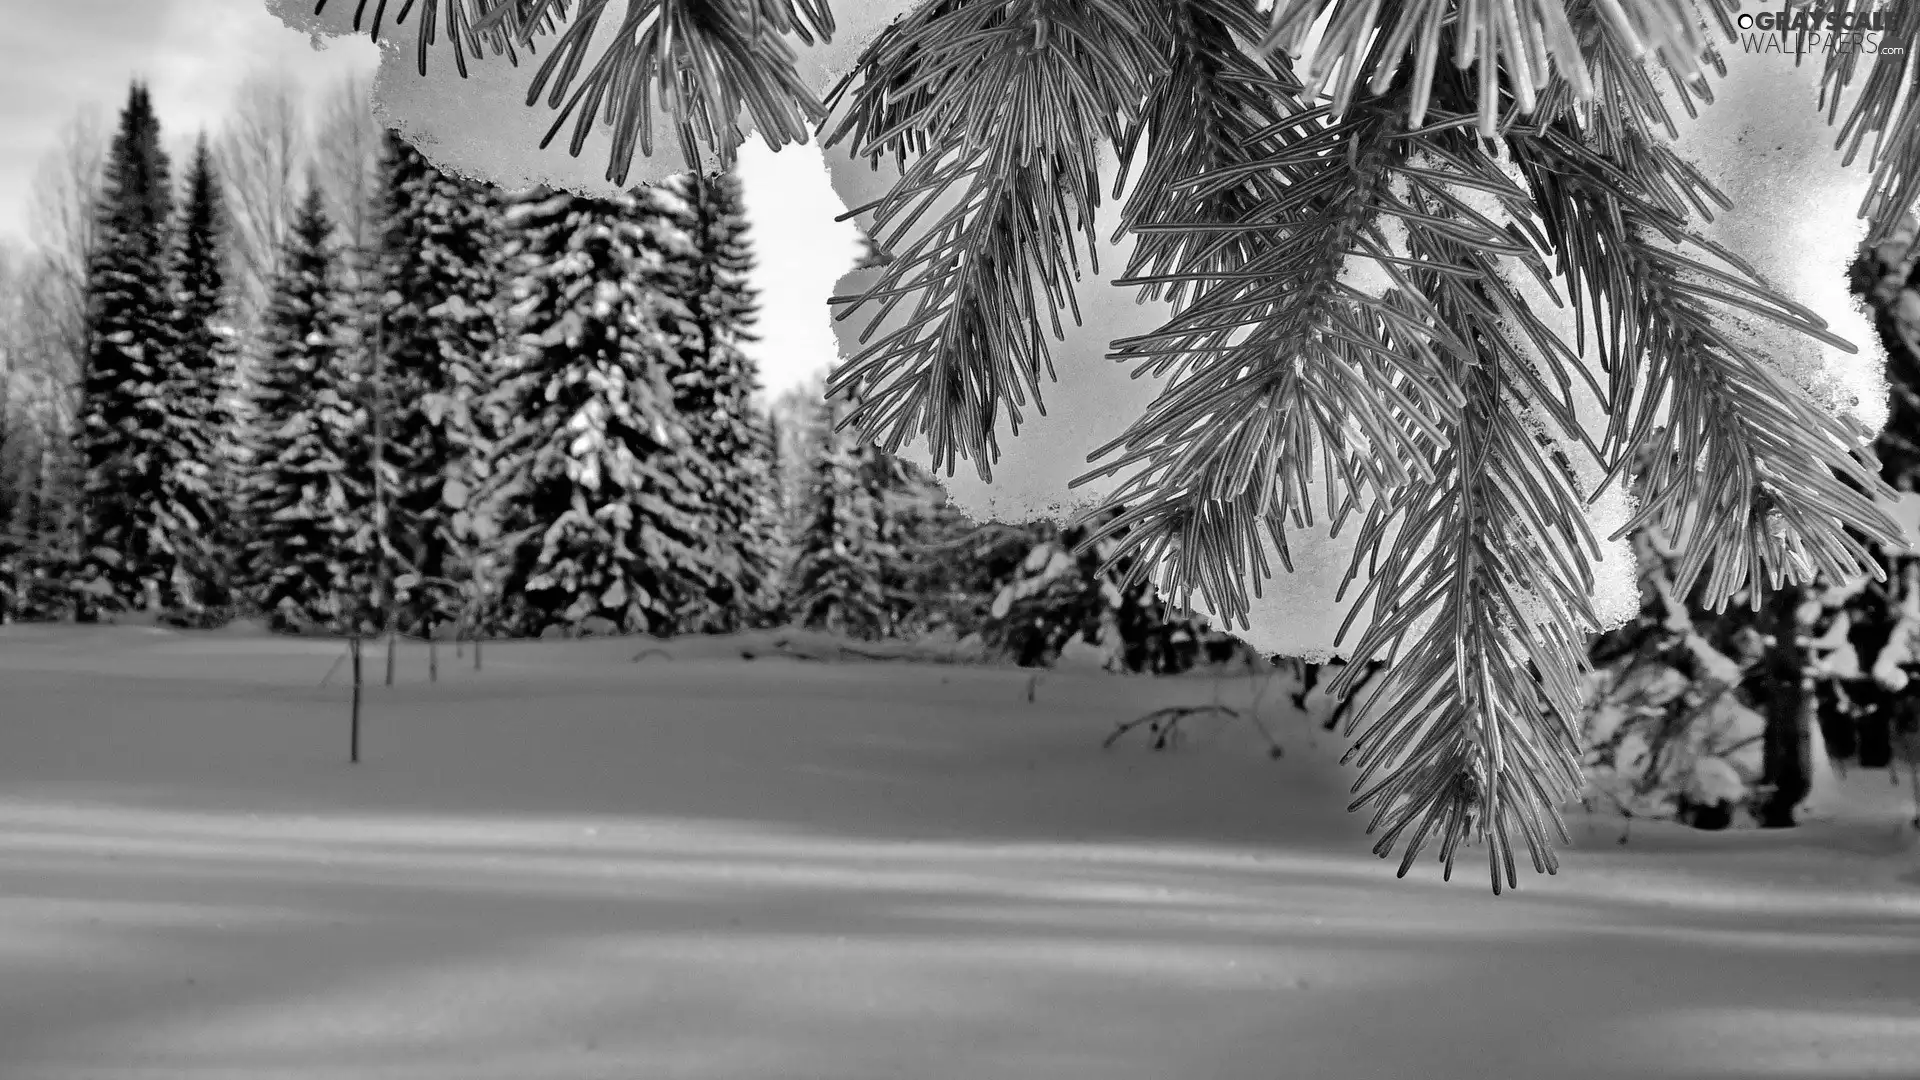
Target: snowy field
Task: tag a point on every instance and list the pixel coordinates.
(570, 865)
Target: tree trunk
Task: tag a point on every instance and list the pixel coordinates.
(1784, 700)
(353, 744)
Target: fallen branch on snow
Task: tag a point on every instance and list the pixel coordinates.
(904, 653)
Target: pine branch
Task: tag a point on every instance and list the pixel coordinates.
(1887, 107)
(1747, 475)
(1488, 571)
(473, 26)
(1524, 44)
(704, 63)
(1218, 108)
(1281, 369)
(524, 20)
(994, 110)
(1626, 120)
(1281, 364)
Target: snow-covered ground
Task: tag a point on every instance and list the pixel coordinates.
(570, 865)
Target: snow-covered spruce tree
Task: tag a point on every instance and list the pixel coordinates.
(803, 419)
(1668, 732)
(839, 578)
(599, 518)
(1053, 598)
(877, 552)
(132, 525)
(1057, 589)
(437, 272)
(306, 498)
(700, 230)
(1355, 252)
(1860, 662)
(800, 415)
(199, 384)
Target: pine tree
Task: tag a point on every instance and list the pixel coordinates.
(200, 381)
(129, 518)
(307, 499)
(1351, 249)
(699, 228)
(598, 517)
(437, 270)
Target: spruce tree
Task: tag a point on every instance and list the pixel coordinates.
(873, 538)
(1046, 588)
(1863, 702)
(200, 380)
(778, 472)
(916, 521)
(1671, 728)
(307, 497)
(770, 543)
(700, 230)
(799, 412)
(599, 518)
(437, 270)
(131, 523)
(844, 559)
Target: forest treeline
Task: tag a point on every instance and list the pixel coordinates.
(348, 393)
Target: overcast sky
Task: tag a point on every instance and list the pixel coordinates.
(58, 57)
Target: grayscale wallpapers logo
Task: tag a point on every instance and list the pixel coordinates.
(1814, 30)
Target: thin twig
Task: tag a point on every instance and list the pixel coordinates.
(1164, 725)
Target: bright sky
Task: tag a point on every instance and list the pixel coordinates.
(60, 56)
